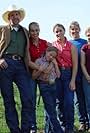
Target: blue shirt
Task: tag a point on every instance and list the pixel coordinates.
(79, 43)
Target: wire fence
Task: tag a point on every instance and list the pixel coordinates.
(39, 113)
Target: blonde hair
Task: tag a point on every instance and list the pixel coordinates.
(74, 23)
(87, 30)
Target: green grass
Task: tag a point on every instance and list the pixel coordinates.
(40, 114)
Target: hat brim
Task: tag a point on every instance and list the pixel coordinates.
(5, 15)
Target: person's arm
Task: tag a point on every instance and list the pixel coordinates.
(56, 68)
(74, 55)
(83, 66)
(3, 63)
(33, 65)
(48, 69)
(36, 73)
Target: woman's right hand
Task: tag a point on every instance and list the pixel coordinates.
(3, 64)
(88, 78)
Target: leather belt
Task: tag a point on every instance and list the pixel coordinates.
(13, 56)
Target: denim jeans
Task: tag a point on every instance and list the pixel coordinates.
(80, 102)
(34, 94)
(16, 72)
(48, 93)
(66, 99)
(86, 86)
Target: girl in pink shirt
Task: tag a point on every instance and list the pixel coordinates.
(67, 61)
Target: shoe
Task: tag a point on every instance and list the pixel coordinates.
(32, 131)
(82, 128)
(89, 130)
(87, 126)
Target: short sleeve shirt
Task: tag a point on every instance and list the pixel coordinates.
(86, 50)
(37, 51)
(51, 75)
(64, 57)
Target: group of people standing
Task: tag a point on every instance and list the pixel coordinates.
(59, 69)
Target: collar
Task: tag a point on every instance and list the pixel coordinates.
(15, 28)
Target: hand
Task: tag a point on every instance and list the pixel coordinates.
(42, 67)
(54, 61)
(3, 64)
(72, 85)
(88, 78)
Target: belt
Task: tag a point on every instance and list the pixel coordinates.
(13, 56)
(65, 68)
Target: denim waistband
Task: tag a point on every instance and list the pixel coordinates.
(65, 68)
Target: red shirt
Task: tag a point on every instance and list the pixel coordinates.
(64, 55)
(37, 51)
(86, 49)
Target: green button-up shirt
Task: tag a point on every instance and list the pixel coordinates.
(17, 42)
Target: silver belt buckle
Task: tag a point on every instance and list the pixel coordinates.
(16, 57)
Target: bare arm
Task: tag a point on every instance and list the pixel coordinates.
(56, 68)
(83, 66)
(36, 73)
(74, 67)
(33, 65)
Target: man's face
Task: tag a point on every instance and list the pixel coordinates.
(14, 18)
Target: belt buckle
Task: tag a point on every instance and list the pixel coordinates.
(16, 57)
(63, 68)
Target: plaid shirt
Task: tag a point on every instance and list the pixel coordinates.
(49, 77)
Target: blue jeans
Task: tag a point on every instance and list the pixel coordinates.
(83, 117)
(48, 93)
(16, 72)
(66, 98)
(34, 94)
(86, 86)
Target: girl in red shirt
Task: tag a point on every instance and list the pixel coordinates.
(85, 64)
(37, 47)
(67, 61)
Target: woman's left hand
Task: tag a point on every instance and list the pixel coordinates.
(72, 85)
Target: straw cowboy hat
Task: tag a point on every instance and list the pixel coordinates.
(11, 9)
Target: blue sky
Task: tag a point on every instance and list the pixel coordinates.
(49, 12)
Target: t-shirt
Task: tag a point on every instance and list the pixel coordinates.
(79, 43)
(86, 50)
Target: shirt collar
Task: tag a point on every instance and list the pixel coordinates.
(15, 28)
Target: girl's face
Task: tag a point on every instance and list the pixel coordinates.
(88, 36)
(74, 31)
(59, 32)
(50, 55)
(34, 31)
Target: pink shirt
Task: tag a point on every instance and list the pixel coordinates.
(64, 55)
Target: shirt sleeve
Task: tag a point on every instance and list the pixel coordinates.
(84, 48)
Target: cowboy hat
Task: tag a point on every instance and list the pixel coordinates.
(11, 9)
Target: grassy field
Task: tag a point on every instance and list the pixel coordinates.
(40, 114)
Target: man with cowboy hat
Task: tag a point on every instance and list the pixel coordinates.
(14, 59)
